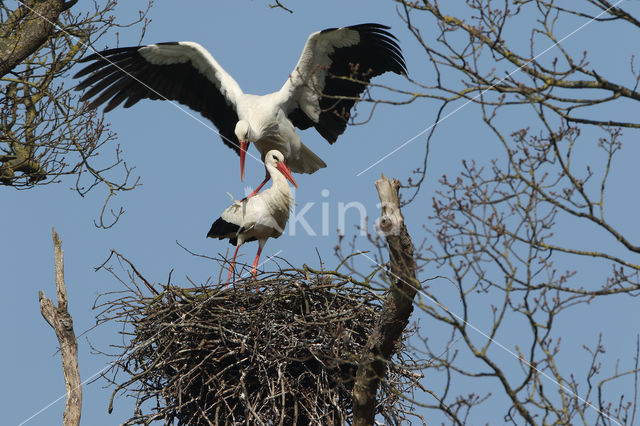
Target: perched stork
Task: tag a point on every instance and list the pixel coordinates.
(334, 69)
(260, 217)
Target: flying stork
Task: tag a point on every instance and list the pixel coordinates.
(334, 68)
(260, 217)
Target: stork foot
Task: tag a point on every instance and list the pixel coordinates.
(253, 194)
(254, 268)
(255, 278)
(255, 191)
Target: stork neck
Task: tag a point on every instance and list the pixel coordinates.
(280, 187)
(251, 135)
(279, 181)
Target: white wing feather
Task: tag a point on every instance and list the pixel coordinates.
(304, 86)
(200, 58)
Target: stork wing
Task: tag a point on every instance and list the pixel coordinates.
(338, 62)
(180, 71)
(245, 213)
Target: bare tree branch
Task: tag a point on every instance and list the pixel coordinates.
(60, 320)
(26, 29)
(556, 126)
(46, 133)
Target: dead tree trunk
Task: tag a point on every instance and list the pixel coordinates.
(62, 323)
(396, 309)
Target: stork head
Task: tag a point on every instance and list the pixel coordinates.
(242, 132)
(275, 159)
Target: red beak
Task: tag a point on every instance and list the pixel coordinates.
(286, 172)
(243, 153)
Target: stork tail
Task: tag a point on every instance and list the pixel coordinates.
(307, 161)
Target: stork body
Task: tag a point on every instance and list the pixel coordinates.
(260, 217)
(333, 70)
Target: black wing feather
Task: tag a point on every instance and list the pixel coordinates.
(122, 74)
(222, 229)
(376, 53)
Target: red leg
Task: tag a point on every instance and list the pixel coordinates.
(254, 270)
(255, 191)
(233, 262)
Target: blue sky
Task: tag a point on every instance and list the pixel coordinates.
(186, 173)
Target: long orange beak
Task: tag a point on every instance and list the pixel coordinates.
(243, 154)
(286, 172)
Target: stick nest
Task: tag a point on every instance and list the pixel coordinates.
(287, 354)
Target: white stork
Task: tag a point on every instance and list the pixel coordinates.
(260, 217)
(334, 69)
